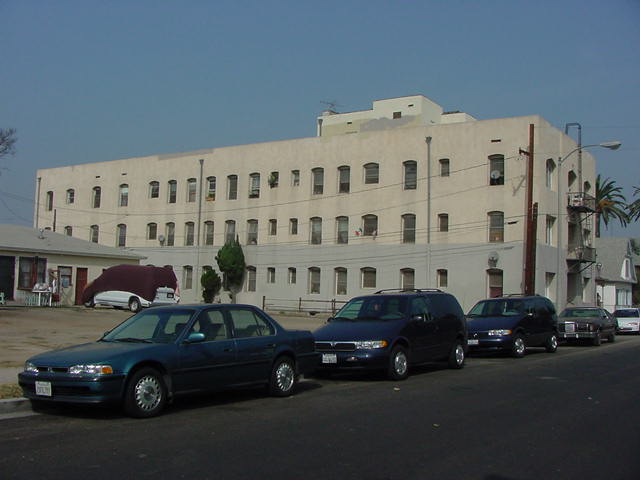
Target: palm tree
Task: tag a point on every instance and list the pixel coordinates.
(633, 209)
(610, 203)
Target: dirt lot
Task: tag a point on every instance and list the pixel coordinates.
(29, 331)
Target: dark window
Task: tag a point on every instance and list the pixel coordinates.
(410, 175)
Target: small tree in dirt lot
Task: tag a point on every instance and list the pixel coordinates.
(211, 284)
(231, 263)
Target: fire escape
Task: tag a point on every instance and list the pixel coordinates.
(581, 208)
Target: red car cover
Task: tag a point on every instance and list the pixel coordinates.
(139, 279)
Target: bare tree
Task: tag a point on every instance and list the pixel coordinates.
(7, 141)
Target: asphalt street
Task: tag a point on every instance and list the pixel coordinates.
(568, 415)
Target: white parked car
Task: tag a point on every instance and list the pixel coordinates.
(132, 301)
(628, 319)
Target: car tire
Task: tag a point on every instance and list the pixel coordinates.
(398, 364)
(552, 343)
(456, 356)
(283, 377)
(597, 340)
(612, 337)
(90, 303)
(519, 347)
(146, 394)
(135, 305)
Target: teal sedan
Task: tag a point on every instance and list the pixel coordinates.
(163, 352)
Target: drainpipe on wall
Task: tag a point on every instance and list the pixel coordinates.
(428, 140)
(197, 269)
(37, 202)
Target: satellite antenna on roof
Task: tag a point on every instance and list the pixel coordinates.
(331, 106)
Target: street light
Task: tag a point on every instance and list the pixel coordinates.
(612, 145)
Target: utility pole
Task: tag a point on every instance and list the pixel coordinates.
(530, 226)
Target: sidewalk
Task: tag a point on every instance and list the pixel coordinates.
(27, 331)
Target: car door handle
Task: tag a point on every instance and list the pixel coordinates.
(271, 345)
(228, 350)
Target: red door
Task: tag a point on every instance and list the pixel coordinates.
(81, 282)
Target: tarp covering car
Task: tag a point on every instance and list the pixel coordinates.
(139, 279)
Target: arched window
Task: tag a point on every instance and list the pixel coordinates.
(252, 232)
(232, 187)
(344, 179)
(316, 230)
(121, 235)
(173, 191)
(229, 231)
(317, 176)
(254, 185)
(68, 230)
(189, 228)
(496, 170)
(152, 231)
(95, 200)
(49, 201)
(211, 189)
(550, 169)
(314, 280)
(170, 234)
(369, 225)
(407, 278)
(410, 175)
(495, 282)
(192, 186)
(408, 228)
(371, 173)
(340, 274)
(71, 196)
(496, 226)
(368, 275)
(251, 279)
(442, 278)
(94, 232)
(444, 167)
(154, 189)
(342, 229)
(123, 200)
(208, 232)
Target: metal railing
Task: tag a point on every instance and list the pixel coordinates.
(302, 305)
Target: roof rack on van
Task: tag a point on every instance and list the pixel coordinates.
(521, 295)
(407, 290)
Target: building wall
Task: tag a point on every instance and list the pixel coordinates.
(464, 195)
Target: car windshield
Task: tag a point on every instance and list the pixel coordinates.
(580, 312)
(631, 313)
(373, 308)
(151, 326)
(498, 308)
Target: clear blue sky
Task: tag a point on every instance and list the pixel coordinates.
(86, 81)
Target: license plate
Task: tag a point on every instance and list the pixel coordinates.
(43, 388)
(473, 341)
(329, 358)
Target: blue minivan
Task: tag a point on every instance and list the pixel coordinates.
(392, 330)
(512, 324)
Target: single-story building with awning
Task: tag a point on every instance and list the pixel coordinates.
(39, 265)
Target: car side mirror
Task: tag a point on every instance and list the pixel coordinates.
(421, 317)
(330, 319)
(195, 337)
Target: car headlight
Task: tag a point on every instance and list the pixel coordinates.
(91, 370)
(498, 333)
(370, 344)
(30, 367)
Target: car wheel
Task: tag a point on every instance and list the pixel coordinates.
(456, 356)
(283, 377)
(519, 348)
(612, 337)
(552, 343)
(597, 340)
(146, 394)
(398, 364)
(90, 303)
(134, 305)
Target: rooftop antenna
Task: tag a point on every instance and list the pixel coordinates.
(331, 104)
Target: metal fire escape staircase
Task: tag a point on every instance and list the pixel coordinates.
(581, 209)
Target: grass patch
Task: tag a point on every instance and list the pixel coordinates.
(10, 391)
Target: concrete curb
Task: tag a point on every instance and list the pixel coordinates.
(14, 405)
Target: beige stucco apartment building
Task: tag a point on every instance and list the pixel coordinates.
(401, 195)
